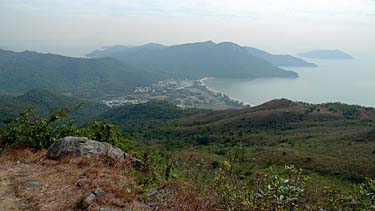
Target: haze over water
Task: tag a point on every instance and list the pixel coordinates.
(347, 81)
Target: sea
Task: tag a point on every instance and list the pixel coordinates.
(345, 81)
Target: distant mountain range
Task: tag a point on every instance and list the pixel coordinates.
(117, 70)
(277, 60)
(195, 60)
(327, 54)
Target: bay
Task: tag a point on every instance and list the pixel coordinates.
(346, 81)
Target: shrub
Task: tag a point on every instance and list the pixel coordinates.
(37, 132)
(31, 130)
(276, 191)
(366, 194)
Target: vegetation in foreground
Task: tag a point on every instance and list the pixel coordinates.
(202, 178)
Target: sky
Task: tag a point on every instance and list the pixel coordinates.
(75, 27)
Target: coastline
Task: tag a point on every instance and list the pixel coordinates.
(201, 82)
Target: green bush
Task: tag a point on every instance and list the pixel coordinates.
(31, 130)
(37, 132)
(277, 191)
(366, 194)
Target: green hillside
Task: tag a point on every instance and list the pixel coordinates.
(318, 138)
(87, 78)
(43, 102)
(136, 119)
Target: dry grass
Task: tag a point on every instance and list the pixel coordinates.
(57, 188)
(57, 182)
(23, 155)
(182, 196)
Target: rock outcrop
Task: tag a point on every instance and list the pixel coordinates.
(84, 147)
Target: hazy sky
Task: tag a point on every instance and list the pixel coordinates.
(74, 27)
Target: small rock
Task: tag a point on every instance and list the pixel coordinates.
(98, 192)
(29, 184)
(83, 182)
(136, 163)
(154, 193)
(87, 201)
(106, 209)
(90, 199)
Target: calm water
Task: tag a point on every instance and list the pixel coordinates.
(351, 81)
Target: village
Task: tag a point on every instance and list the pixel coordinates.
(184, 93)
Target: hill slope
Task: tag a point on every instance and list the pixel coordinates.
(43, 101)
(197, 60)
(88, 78)
(319, 138)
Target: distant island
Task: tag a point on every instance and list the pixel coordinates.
(327, 54)
(279, 60)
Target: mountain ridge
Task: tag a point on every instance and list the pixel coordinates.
(200, 59)
(277, 60)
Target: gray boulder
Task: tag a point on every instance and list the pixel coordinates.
(84, 147)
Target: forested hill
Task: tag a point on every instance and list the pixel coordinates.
(319, 138)
(87, 78)
(43, 102)
(196, 60)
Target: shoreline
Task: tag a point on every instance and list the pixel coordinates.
(201, 81)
